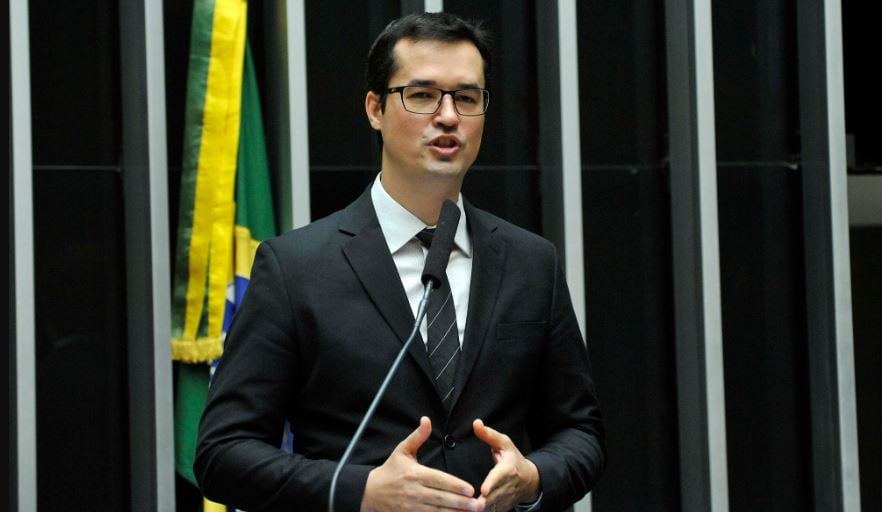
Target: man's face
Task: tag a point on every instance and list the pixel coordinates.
(439, 145)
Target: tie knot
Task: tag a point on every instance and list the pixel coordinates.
(425, 236)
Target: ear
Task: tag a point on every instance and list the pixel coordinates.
(373, 110)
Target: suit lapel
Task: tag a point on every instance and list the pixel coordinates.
(368, 255)
(487, 270)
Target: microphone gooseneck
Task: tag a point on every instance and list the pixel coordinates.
(433, 272)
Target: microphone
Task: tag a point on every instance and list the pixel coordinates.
(433, 273)
(442, 244)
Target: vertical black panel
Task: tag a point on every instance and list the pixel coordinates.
(75, 83)
(626, 215)
(332, 190)
(80, 304)
(863, 103)
(761, 256)
(766, 365)
(509, 192)
(630, 336)
(622, 99)
(866, 286)
(82, 420)
(755, 80)
(863, 109)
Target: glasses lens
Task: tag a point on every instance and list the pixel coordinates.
(470, 102)
(421, 100)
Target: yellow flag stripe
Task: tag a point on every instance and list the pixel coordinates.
(221, 266)
(210, 506)
(217, 165)
(246, 250)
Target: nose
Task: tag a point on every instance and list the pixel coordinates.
(446, 114)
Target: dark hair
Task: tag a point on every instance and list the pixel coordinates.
(434, 26)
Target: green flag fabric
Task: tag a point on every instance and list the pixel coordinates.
(227, 244)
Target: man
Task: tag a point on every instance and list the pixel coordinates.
(505, 419)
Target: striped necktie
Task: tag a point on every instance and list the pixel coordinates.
(443, 343)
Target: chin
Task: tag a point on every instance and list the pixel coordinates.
(446, 171)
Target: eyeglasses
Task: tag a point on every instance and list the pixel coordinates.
(426, 100)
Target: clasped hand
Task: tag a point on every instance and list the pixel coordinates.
(402, 483)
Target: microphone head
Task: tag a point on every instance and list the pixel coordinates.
(442, 243)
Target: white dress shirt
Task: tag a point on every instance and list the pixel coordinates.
(400, 227)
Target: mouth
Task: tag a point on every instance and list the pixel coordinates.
(445, 142)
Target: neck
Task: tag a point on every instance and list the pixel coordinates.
(422, 197)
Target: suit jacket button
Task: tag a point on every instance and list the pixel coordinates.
(449, 442)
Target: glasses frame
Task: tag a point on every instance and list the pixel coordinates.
(400, 89)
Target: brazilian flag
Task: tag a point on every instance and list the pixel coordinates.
(225, 210)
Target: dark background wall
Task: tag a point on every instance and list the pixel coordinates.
(866, 279)
(863, 112)
(627, 240)
(80, 259)
(761, 269)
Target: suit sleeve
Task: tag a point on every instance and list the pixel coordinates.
(238, 460)
(565, 421)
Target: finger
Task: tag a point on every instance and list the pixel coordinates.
(494, 480)
(493, 438)
(411, 444)
(450, 501)
(445, 482)
(490, 505)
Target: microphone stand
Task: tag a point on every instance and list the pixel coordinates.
(421, 313)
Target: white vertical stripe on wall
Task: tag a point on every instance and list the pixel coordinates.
(571, 156)
(710, 257)
(298, 113)
(154, 49)
(847, 410)
(571, 167)
(434, 5)
(22, 197)
(696, 265)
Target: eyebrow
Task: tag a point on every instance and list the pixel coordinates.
(433, 83)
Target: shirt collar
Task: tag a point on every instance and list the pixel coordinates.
(399, 226)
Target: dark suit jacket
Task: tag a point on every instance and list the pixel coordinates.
(324, 317)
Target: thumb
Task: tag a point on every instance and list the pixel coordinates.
(489, 436)
(415, 440)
